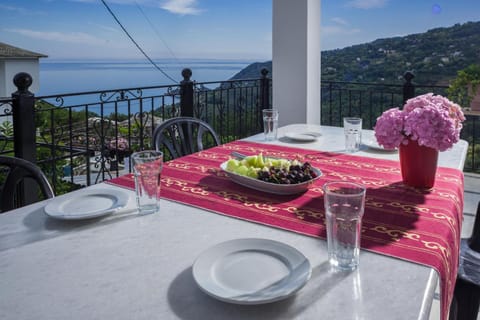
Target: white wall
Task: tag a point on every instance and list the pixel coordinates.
(296, 60)
(3, 79)
(10, 67)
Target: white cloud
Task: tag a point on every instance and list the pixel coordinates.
(340, 27)
(147, 2)
(12, 8)
(338, 30)
(367, 4)
(72, 37)
(339, 21)
(19, 10)
(182, 7)
(104, 27)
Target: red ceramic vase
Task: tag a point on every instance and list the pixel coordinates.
(418, 165)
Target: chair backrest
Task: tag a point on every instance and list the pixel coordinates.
(12, 172)
(181, 136)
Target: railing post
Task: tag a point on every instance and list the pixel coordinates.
(265, 89)
(23, 104)
(264, 95)
(408, 87)
(186, 94)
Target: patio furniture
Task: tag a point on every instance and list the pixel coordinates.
(20, 170)
(467, 288)
(140, 267)
(183, 135)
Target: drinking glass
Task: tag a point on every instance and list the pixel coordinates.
(353, 133)
(344, 206)
(270, 124)
(147, 169)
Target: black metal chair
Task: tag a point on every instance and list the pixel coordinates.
(181, 136)
(12, 172)
(466, 299)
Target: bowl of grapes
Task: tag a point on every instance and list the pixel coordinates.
(271, 175)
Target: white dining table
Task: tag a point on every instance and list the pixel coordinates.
(129, 266)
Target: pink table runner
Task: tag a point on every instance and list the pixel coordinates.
(399, 221)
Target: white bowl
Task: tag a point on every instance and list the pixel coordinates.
(275, 188)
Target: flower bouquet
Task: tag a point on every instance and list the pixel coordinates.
(427, 124)
(119, 148)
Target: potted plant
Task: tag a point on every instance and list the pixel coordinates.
(427, 124)
(464, 89)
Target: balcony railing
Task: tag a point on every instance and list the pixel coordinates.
(84, 138)
(369, 100)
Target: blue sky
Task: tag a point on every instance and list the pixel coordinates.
(213, 29)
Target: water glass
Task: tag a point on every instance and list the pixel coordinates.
(147, 168)
(344, 206)
(270, 124)
(353, 133)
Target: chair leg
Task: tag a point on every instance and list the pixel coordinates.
(453, 315)
(466, 300)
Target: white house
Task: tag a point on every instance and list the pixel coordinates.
(14, 60)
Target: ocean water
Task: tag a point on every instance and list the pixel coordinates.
(61, 77)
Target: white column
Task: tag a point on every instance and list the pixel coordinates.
(296, 60)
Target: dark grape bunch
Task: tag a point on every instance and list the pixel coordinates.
(294, 174)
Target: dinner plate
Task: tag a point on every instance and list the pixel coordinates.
(303, 136)
(251, 271)
(86, 204)
(371, 142)
(275, 188)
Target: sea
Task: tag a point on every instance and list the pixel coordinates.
(58, 77)
(62, 77)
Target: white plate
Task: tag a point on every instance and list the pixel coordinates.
(275, 188)
(371, 142)
(303, 136)
(86, 204)
(251, 271)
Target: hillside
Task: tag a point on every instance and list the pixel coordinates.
(434, 57)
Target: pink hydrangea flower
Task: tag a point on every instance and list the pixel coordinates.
(118, 144)
(389, 129)
(432, 120)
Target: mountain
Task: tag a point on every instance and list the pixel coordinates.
(434, 57)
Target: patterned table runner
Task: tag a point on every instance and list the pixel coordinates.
(399, 221)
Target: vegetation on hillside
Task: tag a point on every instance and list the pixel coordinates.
(434, 57)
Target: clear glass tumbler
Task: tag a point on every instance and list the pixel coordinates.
(353, 134)
(270, 124)
(344, 207)
(147, 168)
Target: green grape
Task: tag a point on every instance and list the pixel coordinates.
(272, 170)
(232, 164)
(241, 170)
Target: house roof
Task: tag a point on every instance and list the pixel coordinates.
(8, 51)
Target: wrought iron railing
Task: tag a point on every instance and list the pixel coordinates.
(369, 100)
(84, 138)
(365, 100)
